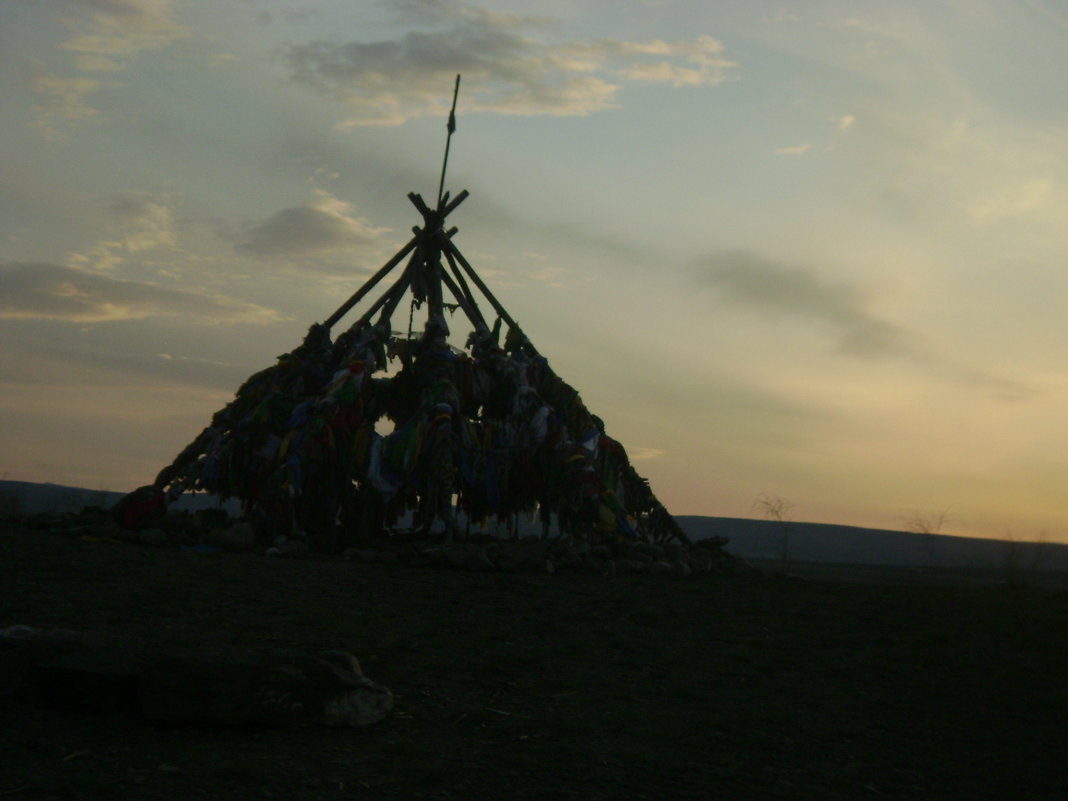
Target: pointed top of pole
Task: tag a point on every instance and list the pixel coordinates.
(450, 127)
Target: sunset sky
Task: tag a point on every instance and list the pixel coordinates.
(813, 249)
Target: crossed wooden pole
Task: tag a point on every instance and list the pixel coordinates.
(425, 273)
(429, 250)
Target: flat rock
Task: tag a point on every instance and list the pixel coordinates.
(478, 562)
(177, 691)
(153, 536)
(522, 555)
(89, 677)
(661, 567)
(62, 670)
(237, 538)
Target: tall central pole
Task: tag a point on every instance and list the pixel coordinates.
(451, 126)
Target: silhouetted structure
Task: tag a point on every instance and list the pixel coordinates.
(489, 429)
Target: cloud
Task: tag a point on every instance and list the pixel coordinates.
(146, 220)
(780, 17)
(793, 150)
(749, 280)
(697, 63)
(890, 27)
(127, 8)
(105, 36)
(844, 122)
(764, 286)
(505, 69)
(320, 226)
(39, 360)
(139, 221)
(426, 12)
(639, 453)
(1016, 199)
(112, 31)
(36, 290)
(549, 276)
(63, 99)
(966, 171)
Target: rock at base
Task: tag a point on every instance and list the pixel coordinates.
(65, 670)
(323, 690)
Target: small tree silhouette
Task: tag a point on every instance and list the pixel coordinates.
(929, 526)
(1012, 560)
(1017, 570)
(777, 509)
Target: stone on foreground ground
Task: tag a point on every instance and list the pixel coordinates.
(62, 669)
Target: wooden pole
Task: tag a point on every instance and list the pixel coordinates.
(466, 304)
(452, 204)
(370, 283)
(451, 126)
(385, 296)
(501, 311)
(433, 274)
(475, 314)
(420, 234)
(393, 296)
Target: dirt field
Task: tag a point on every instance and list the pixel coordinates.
(566, 686)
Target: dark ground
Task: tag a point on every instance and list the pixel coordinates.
(567, 686)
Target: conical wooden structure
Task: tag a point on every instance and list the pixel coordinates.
(484, 431)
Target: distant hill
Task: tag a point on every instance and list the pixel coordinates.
(749, 539)
(28, 498)
(823, 542)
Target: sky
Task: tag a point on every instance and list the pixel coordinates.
(811, 250)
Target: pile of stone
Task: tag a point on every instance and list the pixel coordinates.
(204, 529)
(212, 530)
(534, 554)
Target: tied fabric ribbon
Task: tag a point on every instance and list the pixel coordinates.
(500, 431)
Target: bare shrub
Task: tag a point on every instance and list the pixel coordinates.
(929, 526)
(777, 509)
